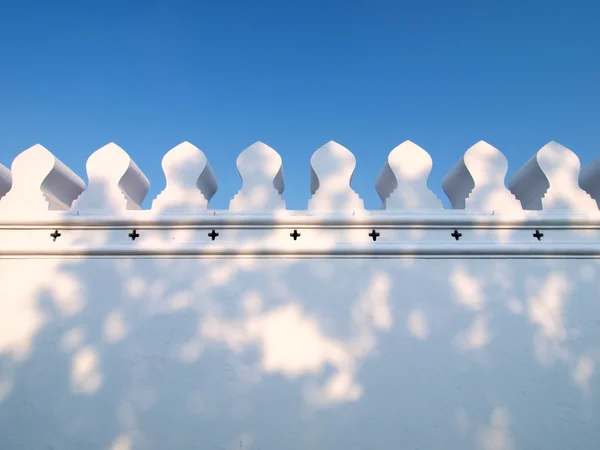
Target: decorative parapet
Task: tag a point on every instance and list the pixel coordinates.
(49, 212)
(190, 181)
(261, 170)
(476, 182)
(589, 180)
(40, 182)
(5, 180)
(331, 170)
(116, 183)
(402, 182)
(550, 181)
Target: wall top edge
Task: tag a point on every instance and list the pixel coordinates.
(551, 180)
(417, 218)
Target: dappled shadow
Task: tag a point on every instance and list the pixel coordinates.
(297, 350)
(273, 353)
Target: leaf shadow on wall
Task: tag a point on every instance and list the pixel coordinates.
(283, 353)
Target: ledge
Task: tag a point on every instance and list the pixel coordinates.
(389, 219)
(422, 234)
(466, 251)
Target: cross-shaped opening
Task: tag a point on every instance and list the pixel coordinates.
(538, 235)
(456, 235)
(55, 235)
(134, 234)
(213, 235)
(295, 234)
(374, 234)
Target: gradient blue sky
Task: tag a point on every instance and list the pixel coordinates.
(296, 74)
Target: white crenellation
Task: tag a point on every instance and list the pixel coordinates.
(402, 181)
(476, 182)
(116, 184)
(261, 170)
(589, 179)
(40, 182)
(550, 181)
(5, 180)
(190, 180)
(331, 170)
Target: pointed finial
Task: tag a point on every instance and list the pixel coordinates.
(261, 170)
(5, 180)
(477, 181)
(116, 183)
(331, 170)
(40, 182)
(191, 182)
(402, 182)
(550, 180)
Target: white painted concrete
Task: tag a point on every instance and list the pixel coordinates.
(5, 180)
(299, 354)
(550, 181)
(331, 170)
(116, 183)
(402, 182)
(477, 181)
(254, 340)
(190, 180)
(40, 182)
(261, 170)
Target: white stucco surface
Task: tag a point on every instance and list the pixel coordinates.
(299, 354)
(258, 328)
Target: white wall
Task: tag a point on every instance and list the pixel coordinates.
(299, 354)
(333, 341)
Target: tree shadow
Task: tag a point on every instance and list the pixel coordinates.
(231, 353)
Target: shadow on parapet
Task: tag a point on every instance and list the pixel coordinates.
(402, 182)
(549, 181)
(190, 181)
(261, 170)
(39, 182)
(477, 181)
(250, 353)
(5, 180)
(331, 170)
(115, 183)
(588, 180)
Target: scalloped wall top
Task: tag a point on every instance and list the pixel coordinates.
(550, 180)
(331, 170)
(589, 179)
(190, 180)
(402, 181)
(477, 181)
(40, 182)
(5, 180)
(115, 182)
(261, 170)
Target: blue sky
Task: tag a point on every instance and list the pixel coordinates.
(296, 74)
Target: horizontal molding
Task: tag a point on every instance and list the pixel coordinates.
(386, 250)
(389, 219)
(402, 235)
